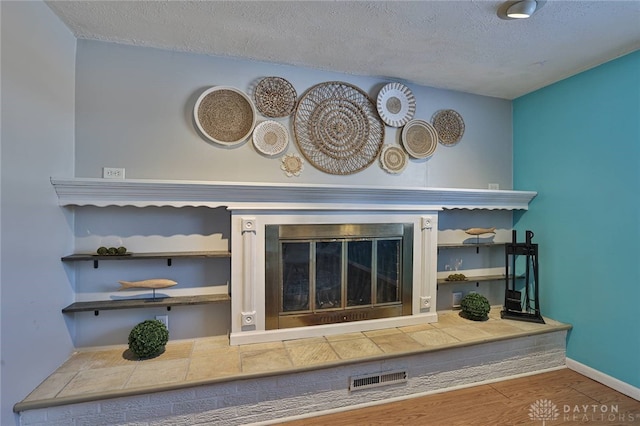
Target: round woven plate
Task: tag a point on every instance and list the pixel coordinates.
(396, 104)
(449, 125)
(337, 128)
(225, 115)
(275, 97)
(292, 165)
(393, 159)
(419, 138)
(270, 138)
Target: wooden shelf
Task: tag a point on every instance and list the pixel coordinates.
(168, 302)
(461, 245)
(138, 256)
(465, 245)
(475, 279)
(142, 256)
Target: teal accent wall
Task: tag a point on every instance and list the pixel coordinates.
(577, 142)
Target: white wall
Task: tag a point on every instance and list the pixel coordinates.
(38, 79)
(135, 110)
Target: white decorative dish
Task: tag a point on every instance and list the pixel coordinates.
(396, 104)
(225, 115)
(393, 159)
(419, 138)
(270, 138)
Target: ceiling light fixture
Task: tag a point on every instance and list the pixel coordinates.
(522, 9)
(519, 9)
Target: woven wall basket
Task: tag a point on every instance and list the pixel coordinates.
(275, 97)
(396, 104)
(393, 159)
(270, 138)
(225, 115)
(419, 138)
(449, 125)
(337, 128)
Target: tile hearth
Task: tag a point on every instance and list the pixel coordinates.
(90, 375)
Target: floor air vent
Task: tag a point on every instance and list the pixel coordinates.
(375, 380)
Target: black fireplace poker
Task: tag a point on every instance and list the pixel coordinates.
(517, 306)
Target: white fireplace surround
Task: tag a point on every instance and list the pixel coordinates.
(255, 205)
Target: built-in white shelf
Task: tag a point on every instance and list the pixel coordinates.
(237, 195)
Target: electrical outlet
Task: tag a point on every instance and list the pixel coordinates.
(495, 186)
(163, 319)
(113, 172)
(456, 298)
(425, 302)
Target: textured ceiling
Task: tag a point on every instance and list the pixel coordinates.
(458, 44)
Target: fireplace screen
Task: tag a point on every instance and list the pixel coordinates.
(321, 274)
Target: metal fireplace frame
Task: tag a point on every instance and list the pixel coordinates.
(275, 318)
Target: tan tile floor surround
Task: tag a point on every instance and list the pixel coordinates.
(90, 375)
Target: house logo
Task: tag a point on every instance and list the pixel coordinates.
(543, 410)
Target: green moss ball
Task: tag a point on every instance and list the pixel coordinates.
(475, 307)
(147, 339)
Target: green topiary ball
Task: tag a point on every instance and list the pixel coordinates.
(475, 307)
(147, 339)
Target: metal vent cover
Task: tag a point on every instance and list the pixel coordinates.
(376, 380)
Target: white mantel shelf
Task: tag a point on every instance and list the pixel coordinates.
(251, 195)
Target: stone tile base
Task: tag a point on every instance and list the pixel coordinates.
(267, 398)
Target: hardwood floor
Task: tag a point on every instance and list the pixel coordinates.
(561, 397)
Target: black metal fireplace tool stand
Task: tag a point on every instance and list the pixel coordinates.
(514, 306)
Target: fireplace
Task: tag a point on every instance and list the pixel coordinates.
(254, 206)
(332, 273)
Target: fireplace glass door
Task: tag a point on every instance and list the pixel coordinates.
(321, 275)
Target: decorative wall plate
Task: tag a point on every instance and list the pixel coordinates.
(225, 115)
(393, 159)
(419, 138)
(270, 138)
(275, 97)
(396, 104)
(449, 125)
(292, 165)
(337, 128)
